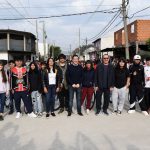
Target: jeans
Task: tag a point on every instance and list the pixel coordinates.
(24, 95)
(36, 101)
(99, 99)
(50, 98)
(118, 98)
(78, 98)
(2, 102)
(11, 101)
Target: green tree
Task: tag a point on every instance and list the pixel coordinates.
(54, 51)
(148, 43)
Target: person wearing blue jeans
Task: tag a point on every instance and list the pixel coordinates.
(74, 76)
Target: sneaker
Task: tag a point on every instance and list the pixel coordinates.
(115, 112)
(32, 115)
(53, 114)
(69, 114)
(40, 114)
(80, 114)
(97, 113)
(106, 113)
(131, 111)
(47, 115)
(145, 113)
(11, 112)
(18, 115)
(1, 118)
(61, 111)
(87, 111)
(118, 112)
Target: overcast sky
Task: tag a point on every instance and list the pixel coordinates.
(64, 31)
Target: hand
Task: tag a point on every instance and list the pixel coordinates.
(12, 91)
(45, 90)
(111, 89)
(96, 88)
(7, 93)
(74, 86)
(77, 85)
(57, 90)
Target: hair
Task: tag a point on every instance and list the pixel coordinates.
(62, 56)
(75, 56)
(105, 55)
(11, 61)
(4, 78)
(121, 60)
(54, 66)
(36, 67)
(89, 62)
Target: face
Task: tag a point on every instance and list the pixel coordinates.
(11, 65)
(121, 64)
(88, 66)
(43, 66)
(18, 63)
(148, 63)
(32, 66)
(1, 67)
(51, 62)
(105, 59)
(62, 60)
(75, 60)
(137, 61)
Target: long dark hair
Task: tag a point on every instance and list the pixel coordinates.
(88, 62)
(4, 78)
(36, 67)
(54, 66)
(121, 60)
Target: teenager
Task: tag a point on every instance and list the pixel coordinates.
(51, 83)
(20, 88)
(88, 85)
(147, 83)
(74, 78)
(121, 85)
(63, 94)
(104, 83)
(35, 86)
(137, 86)
(4, 89)
(11, 95)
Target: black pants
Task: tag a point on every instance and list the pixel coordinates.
(11, 106)
(99, 99)
(147, 98)
(137, 94)
(24, 95)
(63, 96)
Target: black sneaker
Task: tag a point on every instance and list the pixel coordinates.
(69, 114)
(47, 115)
(53, 114)
(115, 112)
(11, 112)
(106, 113)
(80, 114)
(61, 111)
(1, 118)
(97, 113)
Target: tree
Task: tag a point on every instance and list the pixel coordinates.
(148, 43)
(54, 51)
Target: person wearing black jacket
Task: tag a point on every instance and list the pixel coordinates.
(137, 85)
(74, 76)
(88, 84)
(52, 80)
(104, 83)
(35, 87)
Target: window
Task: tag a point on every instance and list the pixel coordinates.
(132, 28)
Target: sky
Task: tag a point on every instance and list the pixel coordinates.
(64, 31)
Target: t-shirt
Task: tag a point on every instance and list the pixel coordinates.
(52, 78)
(147, 75)
(121, 76)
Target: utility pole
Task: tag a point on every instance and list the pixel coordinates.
(125, 28)
(37, 41)
(86, 48)
(79, 44)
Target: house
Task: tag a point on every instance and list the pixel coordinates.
(17, 43)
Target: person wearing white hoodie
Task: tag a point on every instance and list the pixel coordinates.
(4, 89)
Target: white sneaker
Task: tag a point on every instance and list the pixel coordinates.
(32, 115)
(131, 111)
(18, 115)
(145, 113)
(87, 111)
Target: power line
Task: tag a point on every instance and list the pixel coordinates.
(57, 16)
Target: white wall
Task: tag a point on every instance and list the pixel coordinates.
(41, 48)
(4, 55)
(107, 42)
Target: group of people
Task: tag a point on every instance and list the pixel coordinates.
(38, 85)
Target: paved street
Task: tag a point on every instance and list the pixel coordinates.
(125, 132)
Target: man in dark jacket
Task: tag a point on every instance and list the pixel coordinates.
(104, 83)
(74, 79)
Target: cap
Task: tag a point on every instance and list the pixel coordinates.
(137, 57)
